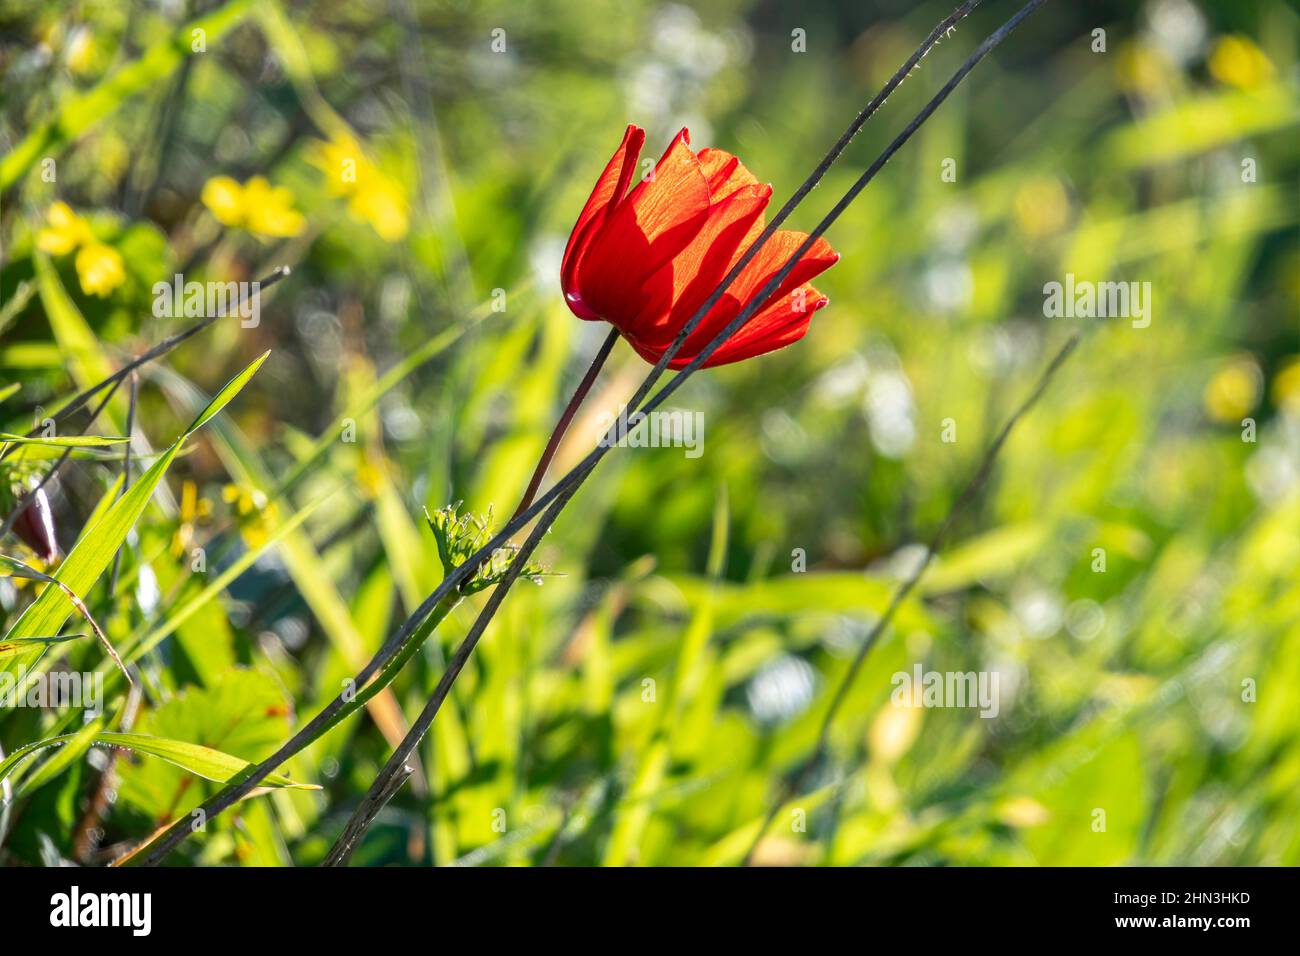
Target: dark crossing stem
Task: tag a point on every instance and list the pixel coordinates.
(566, 419)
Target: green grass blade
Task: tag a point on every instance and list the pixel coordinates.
(65, 441)
(78, 743)
(184, 612)
(17, 646)
(223, 397)
(201, 761)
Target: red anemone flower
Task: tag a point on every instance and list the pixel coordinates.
(646, 260)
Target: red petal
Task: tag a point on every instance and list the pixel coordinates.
(725, 173)
(610, 188)
(680, 287)
(655, 223)
(781, 323)
(767, 263)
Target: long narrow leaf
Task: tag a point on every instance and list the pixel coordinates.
(64, 441)
(201, 761)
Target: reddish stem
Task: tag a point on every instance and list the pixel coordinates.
(565, 420)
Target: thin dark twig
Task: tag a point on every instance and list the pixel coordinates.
(566, 418)
(162, 348)
(564, 487)
(383, 789)
(973, 488)
(387, 782)
(126, 472)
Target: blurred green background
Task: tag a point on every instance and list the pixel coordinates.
(1129, 574)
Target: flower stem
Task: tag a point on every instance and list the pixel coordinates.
(565, 420)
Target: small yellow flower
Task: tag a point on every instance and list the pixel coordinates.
(383, 205)
(269, 209)
(338, 160)
(1286, 386)
(100, 269)
(245, 500)
(1236, 61)
(192, 511)
(257, 206)
(373, 197)
(225, 200)
(79, 54)
(257, 515)
(1233, 391)
(66, 230)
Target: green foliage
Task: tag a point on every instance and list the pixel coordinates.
(1128, 572)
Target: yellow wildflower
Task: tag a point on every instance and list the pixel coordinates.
(192, 511)
(1238, 62)
(66, 230)
(256, 206)
(383, 205)
(373, 197)
(225, 200)
(1286, 386)
(258, 516)
(269, 210)
(338, 160)
(100, 269)
(1233, 391)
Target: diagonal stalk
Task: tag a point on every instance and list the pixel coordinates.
(126, 470)
(396, 770)
(566, 418)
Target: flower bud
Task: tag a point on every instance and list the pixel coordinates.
(35, 526)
